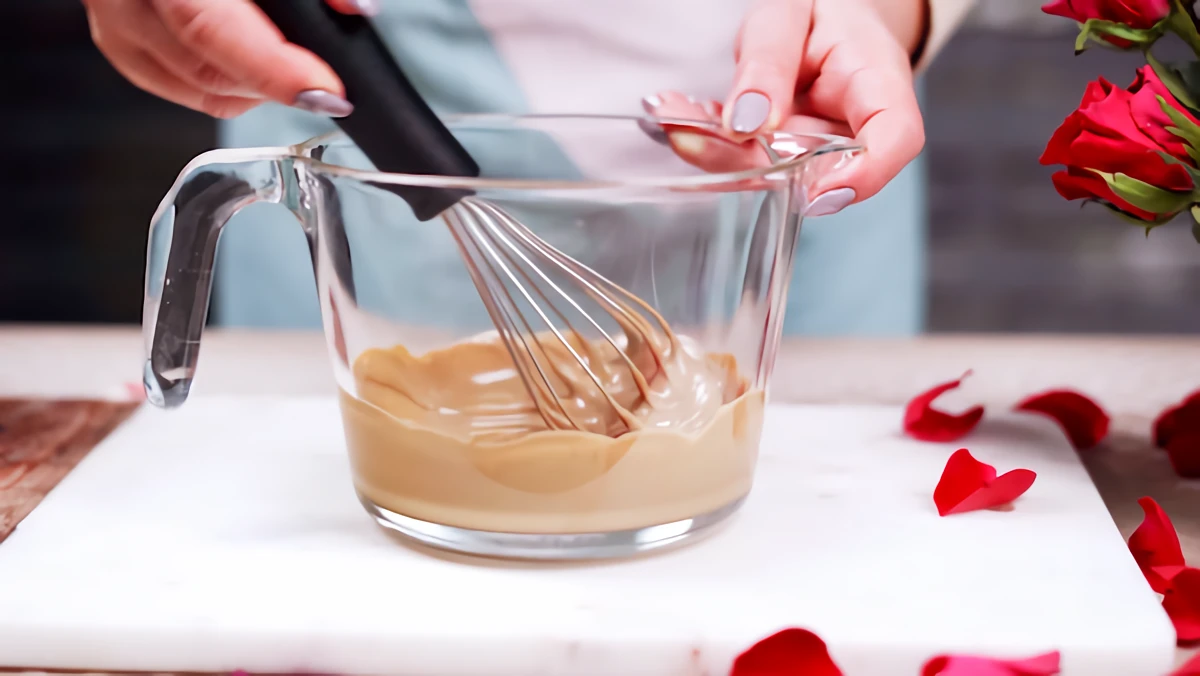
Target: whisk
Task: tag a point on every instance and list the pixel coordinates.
(534, 294)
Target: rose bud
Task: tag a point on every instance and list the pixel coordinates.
(1120, 23)
(1130, 150)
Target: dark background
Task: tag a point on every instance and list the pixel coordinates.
(89, 156)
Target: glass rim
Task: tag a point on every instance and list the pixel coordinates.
(827, 144)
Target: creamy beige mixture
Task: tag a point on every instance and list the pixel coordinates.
(453, 437)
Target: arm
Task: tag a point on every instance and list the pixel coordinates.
(923, 26)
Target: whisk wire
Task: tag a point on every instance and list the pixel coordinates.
(499, 307)
(503, 222)
(507, 261)
(495, 224)
(581, 273)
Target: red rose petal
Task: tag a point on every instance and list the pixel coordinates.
(923, 422)
(786, 653)
(968, 485)
(962, 665)
(1191, 668)
(1184, 453)
(1160, 577)
(1085, 423)
(1165, 425)
(1183, 417)
(1182, 603)
(1155, 546)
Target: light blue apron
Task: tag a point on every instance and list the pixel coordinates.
(857, 273)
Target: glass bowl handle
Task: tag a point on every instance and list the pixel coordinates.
(181, 252)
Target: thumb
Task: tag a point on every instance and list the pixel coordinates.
(771, 46)
(237, 38)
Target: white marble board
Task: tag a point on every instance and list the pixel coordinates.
(226, 535)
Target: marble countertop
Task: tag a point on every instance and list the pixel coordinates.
(1133, 377)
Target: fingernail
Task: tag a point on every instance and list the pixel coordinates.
(750, 112)
(365, 7)
(323, 103)
(651, 103)
(653, 130)
(830, 203)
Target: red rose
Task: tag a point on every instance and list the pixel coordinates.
(1139, 14)
(1117, 135)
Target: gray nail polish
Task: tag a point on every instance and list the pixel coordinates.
(830, 203)
(653, 130)
(366, 7)
(750, 112)
(323, 103)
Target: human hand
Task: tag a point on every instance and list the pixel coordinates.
(220, 57)
(851, 76)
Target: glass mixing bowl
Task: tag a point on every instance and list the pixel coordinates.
(700, 227)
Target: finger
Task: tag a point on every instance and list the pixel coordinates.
(806, 124)
(140, 68)
(799, 135)
(666, 107)
(236, 37)
(363, 7)
(873, 92)
(771, 46)
(709, 148)
(673, 104)
(140, 25)
(892, 139)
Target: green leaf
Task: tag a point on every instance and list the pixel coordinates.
(1095, 30)
(1194, 154)
(1193, 172)
(1130, 218)
(1188, 137)
(1196, 223)
(1119, 30)
(1081, 41)
(1145, 196)
(1183, 81)
(1184, 128)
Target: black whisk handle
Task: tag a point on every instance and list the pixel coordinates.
(391, 123)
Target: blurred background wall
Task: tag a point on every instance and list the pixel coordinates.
(88, 157)
(1006, 253)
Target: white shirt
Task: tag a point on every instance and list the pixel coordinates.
(859, 272)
